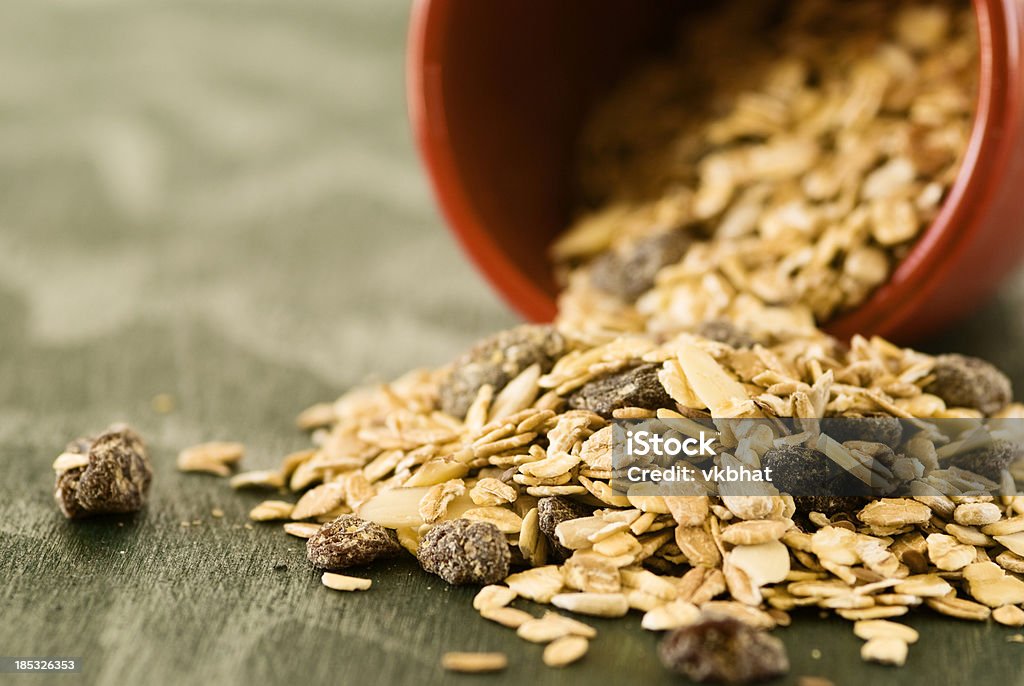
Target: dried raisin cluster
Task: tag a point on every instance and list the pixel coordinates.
(964, 381)
(461, 551)
(552, 511)
(115, 480)
(801, 471)
(723, 650)
(496, 361)
(636, 387)
(629, 273)
(349, 541)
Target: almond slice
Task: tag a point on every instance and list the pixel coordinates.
(723, 395)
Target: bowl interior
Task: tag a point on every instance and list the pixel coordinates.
(504, 88)
(498, 91)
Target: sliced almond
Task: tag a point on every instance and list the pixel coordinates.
(316, 416)
(649, 582)
(532, 543)
(474, 663)
(764, 563)
(1005, 527)
(751, 616)
(319, 500)
(617, 544)
(489, 492)
(880, 628)
(886, 651)
(894, 513)
(301, 529)
(924, 585)
(340, 582)
(551, 467)
(876, 612)
(591, 572)
(506, 616)
(1013, 542)
(507, 521)
(948, 554)
(698, 546)
(1009, 615)
(269, 510)
(575, 533)
(671, 615)
(492, 596)
(564, 651)
(959, 608)
(576, 627)
(596, 604)
(434, 503)
(215, 457)
(262, 478)
(977, 514)
(754, 532)
(539, 584)
(394, 509)
(722, 394)
(542, 630)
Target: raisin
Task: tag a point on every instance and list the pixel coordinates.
(817, 483)
(628, 273)
(663, 567)
(884, 430)
(552, 511)
(636, 387)
(349, 541)
(726, 332)
(116, 479)
(496, 361)
(798, 470)
(723, 650)
(516, 558)
(989, 461)
(461, 551)
(963, 381)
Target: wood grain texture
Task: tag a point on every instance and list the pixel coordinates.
(220, 201)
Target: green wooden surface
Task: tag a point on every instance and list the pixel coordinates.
(220, 201)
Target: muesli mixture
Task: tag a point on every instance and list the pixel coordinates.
(766, 178)
(774, 170)
(495, 471)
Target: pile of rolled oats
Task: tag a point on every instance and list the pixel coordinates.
(496, 471)
(774, 171)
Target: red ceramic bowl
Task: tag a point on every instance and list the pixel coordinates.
(497, 91)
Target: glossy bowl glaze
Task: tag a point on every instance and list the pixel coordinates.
(498, 90)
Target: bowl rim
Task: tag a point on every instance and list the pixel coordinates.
(938, 248)
(428, 32)
(890, 308)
